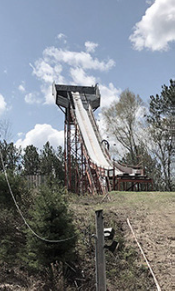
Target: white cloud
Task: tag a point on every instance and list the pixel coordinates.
(40, 134)
(57, 63)
(108, 94)
(21, 87)
(46, 71)
(79, 77)
(3, 105)
(33, 98)
(150, 2)
(62, 36)
(90, 46)
(76, 59)
(19, 134)
(157, 27)
(47, 92)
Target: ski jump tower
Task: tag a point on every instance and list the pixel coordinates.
(88, 166)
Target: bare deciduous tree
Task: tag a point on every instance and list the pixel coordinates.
(5, 129)
(124, 121)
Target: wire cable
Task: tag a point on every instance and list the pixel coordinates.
(142, 252)
(23, 218)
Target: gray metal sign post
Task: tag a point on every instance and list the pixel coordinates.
(100, 253)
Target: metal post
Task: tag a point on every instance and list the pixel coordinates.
(113, 176)
(76, 159)
(100, 253)
(69, 148)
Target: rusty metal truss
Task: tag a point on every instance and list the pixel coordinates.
(82, 174)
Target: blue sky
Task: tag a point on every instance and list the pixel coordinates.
(118, 44)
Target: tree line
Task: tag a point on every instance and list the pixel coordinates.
(147, 136)
(31, 161)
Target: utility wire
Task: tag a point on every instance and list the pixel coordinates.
(23, 218)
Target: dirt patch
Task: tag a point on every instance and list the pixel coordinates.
(152, 216)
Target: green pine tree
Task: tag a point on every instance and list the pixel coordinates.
(52, 221)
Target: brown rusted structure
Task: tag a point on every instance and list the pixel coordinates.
(88, 166)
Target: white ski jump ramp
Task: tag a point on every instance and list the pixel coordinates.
(89, 136)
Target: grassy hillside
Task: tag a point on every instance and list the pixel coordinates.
(152, 216)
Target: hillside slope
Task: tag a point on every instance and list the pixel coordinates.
(152, 216)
